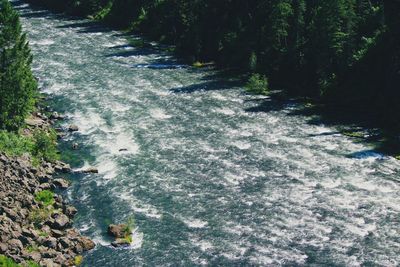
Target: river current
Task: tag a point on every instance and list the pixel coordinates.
(209, 178)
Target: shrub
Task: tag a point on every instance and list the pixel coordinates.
(15, 145)
(257, 84)
(45, 145)
(7, 262)
(38, 216)
(45, 197)
(78, 260)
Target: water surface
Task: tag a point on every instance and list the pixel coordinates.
(208, 179)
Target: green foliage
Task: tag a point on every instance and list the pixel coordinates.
(342, 52)
(14, 144)
(7, 262)
(18, 88)
(39, 215)
(45, 197)
(41, 146)
(257, 84)
(78, 260)
(32, 264)
(45, 145)
(32, 248)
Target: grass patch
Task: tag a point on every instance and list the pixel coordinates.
(33, 248)
(38, 216)
(15, 145)
(7, 262)
(45, 197)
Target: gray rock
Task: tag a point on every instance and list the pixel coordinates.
(50, 242)
(73, 128)
(86, 243)
(15, 244)
(75, 146)
(61, 222)
(91, 170)
(119, 242)
(35, 256)
(3, 248)
(65, 242)
(57, 233)
(61, 183)
(71, 211)
(118, 230)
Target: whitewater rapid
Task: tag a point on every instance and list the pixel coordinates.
(209, 178)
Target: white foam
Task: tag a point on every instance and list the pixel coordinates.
(194, 223)
(43, 42)
(242, 145)
(158, 114)
(225, 111)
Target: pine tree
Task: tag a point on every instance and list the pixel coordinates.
(18, 87)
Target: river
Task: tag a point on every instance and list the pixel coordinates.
(208, 177)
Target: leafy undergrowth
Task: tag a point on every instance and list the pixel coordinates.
(7, 262)
(41, 145)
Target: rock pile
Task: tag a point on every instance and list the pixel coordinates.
(30, 230)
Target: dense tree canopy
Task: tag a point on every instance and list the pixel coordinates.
(17, 84)
(338, 51)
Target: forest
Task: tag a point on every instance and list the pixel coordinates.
(343, 53)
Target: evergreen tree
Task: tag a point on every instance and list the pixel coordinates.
(17, 84)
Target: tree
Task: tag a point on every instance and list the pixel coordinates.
(18, 87)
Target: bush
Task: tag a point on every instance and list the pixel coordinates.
(7, 262)
(41, 146)
(45, 197)
(38, 216)
(45, 145)
(78, 260)
(15, 145)
(257, 84)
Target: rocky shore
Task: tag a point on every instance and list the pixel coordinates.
(31, 230)
(28, 229)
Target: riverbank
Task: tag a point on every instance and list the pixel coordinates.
(36, 223)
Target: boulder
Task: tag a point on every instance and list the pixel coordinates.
(3, 248)
(120, 242)
(15, 244)
(62, 167)
(60, 183)
(91, 170)
(118, 230)
(50, 242)
(73, 128)
(61, 221)
(86, 243)
(70, 211)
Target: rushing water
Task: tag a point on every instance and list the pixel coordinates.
(208, 180)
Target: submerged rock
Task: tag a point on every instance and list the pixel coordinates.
(91, 170)
(121, 242)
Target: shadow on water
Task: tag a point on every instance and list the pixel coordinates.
(356, 124)
(131, 53)
(205, 86)
(359, 124)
